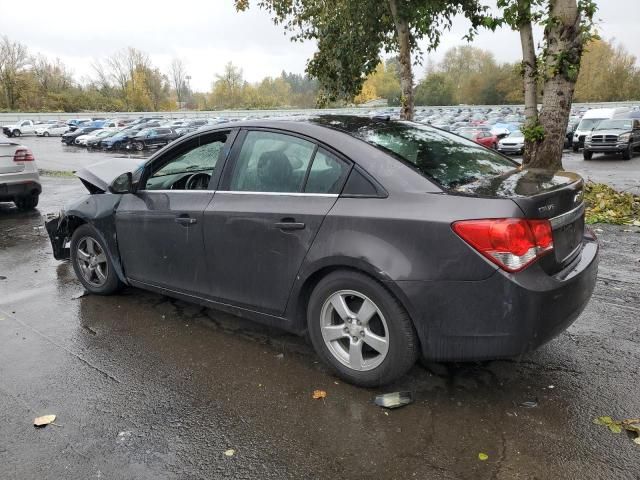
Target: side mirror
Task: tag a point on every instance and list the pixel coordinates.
(122, 184)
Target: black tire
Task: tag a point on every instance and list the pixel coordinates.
(587, 155)
(575, 148)
(27, 202)
(139, 146)
(45, 134)
(494, 146)
(16, 133)
(112, 283)
(628, 153)
(403, 347)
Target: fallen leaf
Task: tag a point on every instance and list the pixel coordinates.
(636, 440)
(615, 428)
(483, 456)
(319, 394)
(44, 420)
(230, 453)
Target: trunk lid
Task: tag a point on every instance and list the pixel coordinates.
(557, 196)
(7, 151)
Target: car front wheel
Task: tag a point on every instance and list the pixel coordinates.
(628, 153)
(16, 133)
(360, 330)
(92, 263)
(587, 155)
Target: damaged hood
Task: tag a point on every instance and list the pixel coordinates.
(99, 176)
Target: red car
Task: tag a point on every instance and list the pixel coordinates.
(480, 135)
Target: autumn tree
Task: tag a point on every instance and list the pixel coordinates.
(351, 34)
(568, 27)
(178, 76)
(13, 61)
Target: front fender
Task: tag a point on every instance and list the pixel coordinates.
(97, 210)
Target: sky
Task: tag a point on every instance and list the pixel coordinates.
(207, 34)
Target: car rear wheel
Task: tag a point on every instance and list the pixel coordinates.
(45, 134)
(360, 330)
(27, 202)
(92, 263)
(575, 148)
(587, 155)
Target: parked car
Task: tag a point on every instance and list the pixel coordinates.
(152, 137)
(591, 119)
(383, 240)
(512, 143)
(23, 127)
(482, 136)
(76, 123)
(120, 140)
(94, 140)
(51, 129)
(83, 140)
(19, 179)
(613, 136)
(571, 128)
(69, 138)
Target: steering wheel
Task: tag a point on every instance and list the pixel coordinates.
(198, 181)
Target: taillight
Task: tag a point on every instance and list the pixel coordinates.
(511, 243)
(23, 155)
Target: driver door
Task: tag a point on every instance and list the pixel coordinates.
(159, 228)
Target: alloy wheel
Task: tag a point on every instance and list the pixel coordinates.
(354, 330)
(92, 261)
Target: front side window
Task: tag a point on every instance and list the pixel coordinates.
(191, 167)
(271, 162)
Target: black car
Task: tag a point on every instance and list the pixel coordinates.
(152, 137)
(70, 137)
(620, 135)
(382, 240)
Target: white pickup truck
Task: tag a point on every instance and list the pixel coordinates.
(23, 127)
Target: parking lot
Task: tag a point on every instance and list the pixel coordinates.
(52, 154)
(148, 387)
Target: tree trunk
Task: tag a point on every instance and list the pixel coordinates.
(562, 64)
(529, 72)
(404, 57)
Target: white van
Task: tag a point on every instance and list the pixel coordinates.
(591, 119)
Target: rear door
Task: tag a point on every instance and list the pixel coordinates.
(7, 165)
(159, 228)
(275, 194)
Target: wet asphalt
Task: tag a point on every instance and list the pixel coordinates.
(146, 387)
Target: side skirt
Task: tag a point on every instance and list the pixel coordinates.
(258, 317)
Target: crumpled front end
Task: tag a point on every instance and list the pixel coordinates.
(58, 229)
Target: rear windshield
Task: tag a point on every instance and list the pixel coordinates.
(447, 159)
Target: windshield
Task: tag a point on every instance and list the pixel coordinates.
(589, 123)
(515, 133)
(446, 158)
(624, 124)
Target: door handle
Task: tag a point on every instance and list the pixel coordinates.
(185, 220)
(289, 224)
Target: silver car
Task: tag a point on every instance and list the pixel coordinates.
(19, 179)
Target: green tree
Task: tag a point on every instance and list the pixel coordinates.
(568, 27)
(351, 34)
(435, 89)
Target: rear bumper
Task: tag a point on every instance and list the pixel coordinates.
(505, 315)
(10, 190)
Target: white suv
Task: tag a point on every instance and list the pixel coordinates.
(19, 179)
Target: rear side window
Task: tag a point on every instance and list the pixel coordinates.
(327, 173)
(447, 159)
(271, 162)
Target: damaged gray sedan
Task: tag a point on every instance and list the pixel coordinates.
(381, 240)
